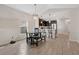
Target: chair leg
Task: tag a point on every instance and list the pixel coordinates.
(36, 42)
(45, 39)
(27, 41)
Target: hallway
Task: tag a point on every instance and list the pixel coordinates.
(59, 46)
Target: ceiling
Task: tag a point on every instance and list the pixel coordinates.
(41, 8)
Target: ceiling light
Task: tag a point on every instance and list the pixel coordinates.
(35, 15)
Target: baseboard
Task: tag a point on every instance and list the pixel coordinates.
(5, 44)
(10, 41)
(75, 41)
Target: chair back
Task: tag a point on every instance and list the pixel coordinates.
(36, 30)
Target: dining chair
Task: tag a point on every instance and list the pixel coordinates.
(27, 37)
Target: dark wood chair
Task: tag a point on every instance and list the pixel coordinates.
(37, 36)
(27, 38)
(43, 36)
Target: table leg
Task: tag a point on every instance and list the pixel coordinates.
(36, 42)
(31, 41)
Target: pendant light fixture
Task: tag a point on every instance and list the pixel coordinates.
(35, 15)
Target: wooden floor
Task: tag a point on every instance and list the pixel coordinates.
(59, 46)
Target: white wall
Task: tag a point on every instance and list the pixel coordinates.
(74, 25)
(61, 20)
(10, 22)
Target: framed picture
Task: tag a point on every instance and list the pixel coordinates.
(23, 29)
